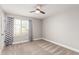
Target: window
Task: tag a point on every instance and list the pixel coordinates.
(20, 27)
(25, 26)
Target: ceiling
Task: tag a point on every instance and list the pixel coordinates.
(50, 9)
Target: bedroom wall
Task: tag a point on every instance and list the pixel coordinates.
(63, 28)
(37, 28)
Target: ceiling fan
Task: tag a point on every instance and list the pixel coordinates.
(38, 9)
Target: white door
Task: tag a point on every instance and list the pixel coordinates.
(2, 36)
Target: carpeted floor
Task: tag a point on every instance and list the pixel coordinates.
(37, 47)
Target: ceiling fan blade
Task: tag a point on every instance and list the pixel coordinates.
(32, 11)
(42, 12)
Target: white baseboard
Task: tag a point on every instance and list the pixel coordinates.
(65, 46)
(20, 42)
(25, 41)
(37, 38)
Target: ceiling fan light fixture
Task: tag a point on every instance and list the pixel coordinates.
(37, 11)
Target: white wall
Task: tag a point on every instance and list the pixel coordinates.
(37, 28)
(63, 28)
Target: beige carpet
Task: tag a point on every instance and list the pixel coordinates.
(37, 47)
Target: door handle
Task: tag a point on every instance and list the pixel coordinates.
(2, 34)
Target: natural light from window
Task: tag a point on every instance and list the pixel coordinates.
(21, 27)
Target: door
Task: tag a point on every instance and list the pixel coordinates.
(2, 28)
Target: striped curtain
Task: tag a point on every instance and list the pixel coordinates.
(9, 31)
